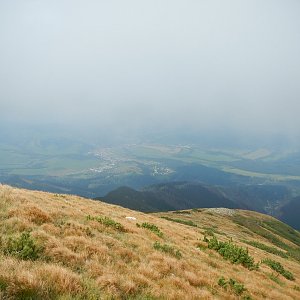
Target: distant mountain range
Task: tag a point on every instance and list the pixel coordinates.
(169, 196)
(188, 195)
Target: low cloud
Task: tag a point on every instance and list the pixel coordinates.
(161, 65)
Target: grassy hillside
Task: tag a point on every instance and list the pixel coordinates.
(55, 246)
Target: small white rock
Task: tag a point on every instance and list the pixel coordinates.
(131, 218)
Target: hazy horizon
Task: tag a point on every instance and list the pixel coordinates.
(128, 68)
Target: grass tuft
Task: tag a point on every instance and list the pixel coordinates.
(167, 249)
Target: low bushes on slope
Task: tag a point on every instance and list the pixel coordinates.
(232, 252)
(108, 222)
(151, 227)
(236, 287)
(22, 247)
(266, 248)
(277, 266)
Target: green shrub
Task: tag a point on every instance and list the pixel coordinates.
(277, 266)
(3, 284)
(108, 222)
(247, 297)
(185, 222)
(296, 288)
(152, 228)
(266, 248)
(232, 252)
(185, 212)
(201, 247)
(167, 249)
(236, 287)
(222, 282)
(209, 232)
(276, 279)
(23, 247)
(28, 293)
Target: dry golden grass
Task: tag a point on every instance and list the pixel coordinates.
(81, 258)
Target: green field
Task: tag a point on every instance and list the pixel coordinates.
(69, 158)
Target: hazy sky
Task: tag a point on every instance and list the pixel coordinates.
(198, 65)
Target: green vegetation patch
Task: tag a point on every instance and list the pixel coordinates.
(3, 284)
(185, 222)
(283, 230)
(183, 212)
(296, 288)
(266, 248)
(167, 249)
(211, 231)
(151, 227)
(108, 222)
(23, 247)
(294, 253)
(232, 252)
(254, 225)
(276, 279)
(263, 229)
(236, 287)
(277, 266)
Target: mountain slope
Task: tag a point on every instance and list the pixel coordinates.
(57, 246)
(138, 200)
(168, 196)
(264, 198)
(290, 213)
